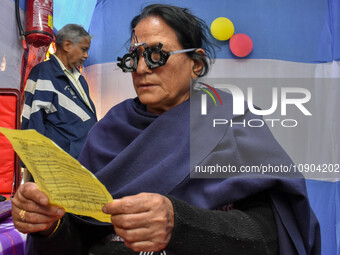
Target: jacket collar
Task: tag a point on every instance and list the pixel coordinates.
(56, 67)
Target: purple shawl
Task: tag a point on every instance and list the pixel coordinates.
(132, 151)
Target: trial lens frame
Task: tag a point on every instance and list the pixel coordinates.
(147, 54)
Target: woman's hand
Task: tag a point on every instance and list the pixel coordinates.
(145, 221)
(31, 211)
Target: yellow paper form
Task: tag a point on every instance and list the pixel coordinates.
(66, 182)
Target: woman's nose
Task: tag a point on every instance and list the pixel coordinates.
(142, 66)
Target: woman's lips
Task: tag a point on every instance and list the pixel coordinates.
(145, 86)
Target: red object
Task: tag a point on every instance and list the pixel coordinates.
(10, 169)
(39, 22)
(241, 45)
(30, 58)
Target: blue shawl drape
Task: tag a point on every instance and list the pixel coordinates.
(132, 151)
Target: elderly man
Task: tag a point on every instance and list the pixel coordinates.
(57, 100)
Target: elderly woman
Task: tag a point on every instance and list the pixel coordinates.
(141, 152)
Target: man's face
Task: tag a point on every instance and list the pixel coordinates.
(78, 53)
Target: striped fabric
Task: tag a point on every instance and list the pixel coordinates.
(12, 242)
(55, 108)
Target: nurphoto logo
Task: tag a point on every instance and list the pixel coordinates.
(302, 96)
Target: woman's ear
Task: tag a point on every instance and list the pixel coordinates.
(198, 64)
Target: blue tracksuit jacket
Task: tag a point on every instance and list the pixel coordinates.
(54, 107)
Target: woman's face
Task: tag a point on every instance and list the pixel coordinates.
(163, 87)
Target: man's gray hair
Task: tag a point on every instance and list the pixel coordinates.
(72, 32)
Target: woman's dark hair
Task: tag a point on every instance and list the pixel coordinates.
(191, 31)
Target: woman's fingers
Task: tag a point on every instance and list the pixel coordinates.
(145, 221)
(31, 211)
